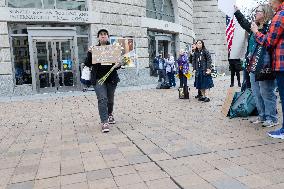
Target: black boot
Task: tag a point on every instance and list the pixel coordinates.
(199, 94)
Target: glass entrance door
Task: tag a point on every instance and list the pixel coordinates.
(54, 63)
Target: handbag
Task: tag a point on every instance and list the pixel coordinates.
(183, 92)
(243, 104)
(265, 74)
(86, 75)
(264, 69)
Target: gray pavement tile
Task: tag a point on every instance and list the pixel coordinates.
(228, 184)
(124, 144)
(99, 174)
(33, 151)
(70, 153)
(138, 159)
(24, 185)
(14, 153)
(85, 140)
(111, 151)
(236, 171)
(26, 169)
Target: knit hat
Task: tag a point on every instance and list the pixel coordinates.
(102, 30)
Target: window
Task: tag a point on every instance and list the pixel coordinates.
(49, 4)
(21, 54)
(21, 60)
(160, 9)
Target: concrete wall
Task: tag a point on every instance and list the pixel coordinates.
(6, 73)
(122, 24)
(185, 16)
(128, 22)
(210, 26)
(131, 22)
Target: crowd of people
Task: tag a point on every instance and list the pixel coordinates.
(201, 62)
(263, 73)
(264, 68)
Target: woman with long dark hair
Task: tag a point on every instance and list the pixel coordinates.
(202, 67)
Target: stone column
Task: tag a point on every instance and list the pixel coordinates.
(210, 26)
(6, 71)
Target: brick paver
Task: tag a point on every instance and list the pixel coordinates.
(159, 142)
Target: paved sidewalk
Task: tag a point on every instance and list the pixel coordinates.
(159, 142)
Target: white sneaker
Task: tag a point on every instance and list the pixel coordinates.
(269, 123)
(105, 127)
(257, 121)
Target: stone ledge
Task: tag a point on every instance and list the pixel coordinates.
(4, 41)
(5, 68)
(6, 85)
(5, 55)
(3, 28)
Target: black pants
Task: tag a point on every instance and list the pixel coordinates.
(183, 84)
(237, 73)
(235, 67)
(246, 81)
(182, 80)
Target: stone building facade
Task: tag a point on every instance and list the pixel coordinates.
(43, 43)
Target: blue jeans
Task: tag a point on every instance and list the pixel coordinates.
(265, 98)
(162, 75)
(280, 83)
(105, 96)
(171, 77)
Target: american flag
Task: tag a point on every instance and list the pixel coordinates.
(230, 23)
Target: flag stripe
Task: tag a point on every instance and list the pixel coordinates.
(230, 31)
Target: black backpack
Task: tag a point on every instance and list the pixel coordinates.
(165, 85)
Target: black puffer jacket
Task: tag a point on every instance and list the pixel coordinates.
(204, 58)
(98, 70)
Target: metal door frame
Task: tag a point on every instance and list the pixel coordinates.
(53, 34)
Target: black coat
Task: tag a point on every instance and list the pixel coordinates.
(205, 60)
(98, 71)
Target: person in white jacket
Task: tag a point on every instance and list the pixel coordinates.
(171, 70)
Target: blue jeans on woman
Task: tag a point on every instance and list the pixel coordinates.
(172, 80)
(265, 98)
(280, 83)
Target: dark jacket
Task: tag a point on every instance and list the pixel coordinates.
(246, 25)
(204, 58)
(156, 63)
(98, 70)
